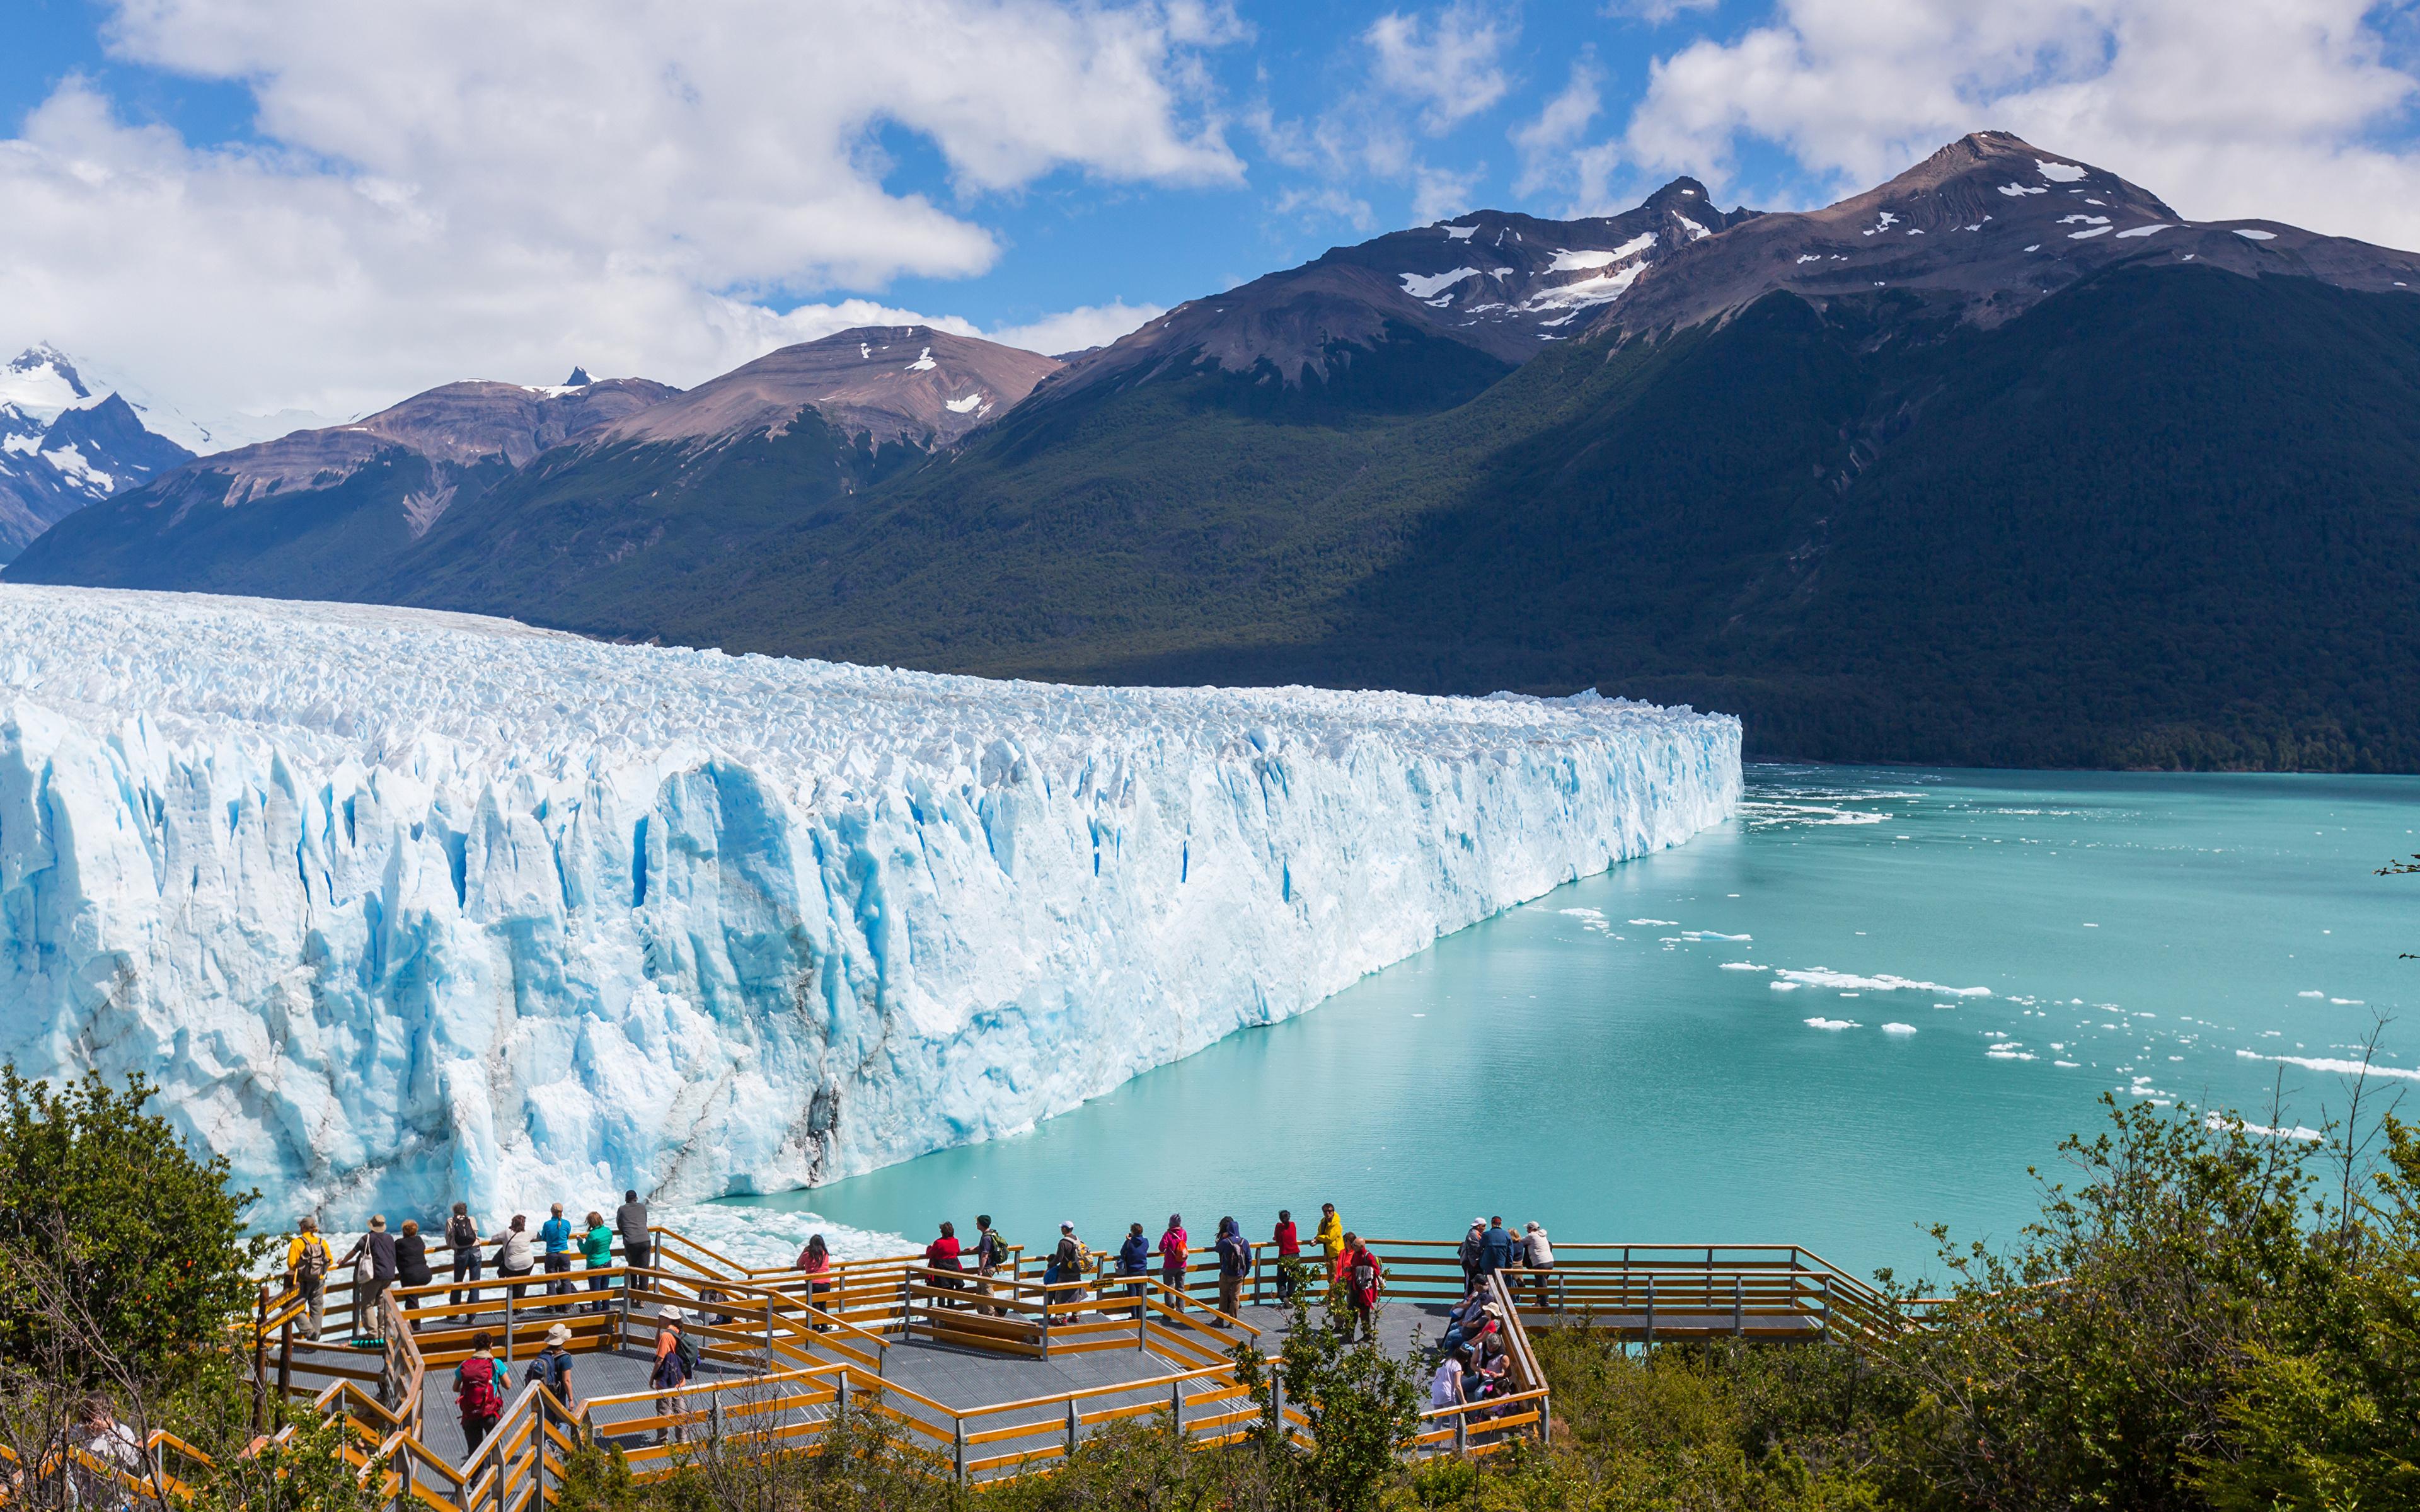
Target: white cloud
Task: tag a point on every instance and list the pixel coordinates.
(2266, 107)
(1072, 331)
(1449, 64)
(1439, 194)
(1546, 142)
(456, 189)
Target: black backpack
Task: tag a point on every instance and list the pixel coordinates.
(687, 1353)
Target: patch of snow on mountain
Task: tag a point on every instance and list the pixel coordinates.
(1695, 230)
(2133, 231)
(2018, 190)
(2087, 219)
(960, 407)
(2059, 173)
(1578, 261)
(402, 907)
(1811, 257)
(1459, 233)
(923, 363)
(2255, 236)
(2087, 235)
(1599, 290)
(1427, 286)
(70, 462)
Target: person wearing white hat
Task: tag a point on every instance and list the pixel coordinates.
(675, 1363)
(1538, 1255)
(552, 1369)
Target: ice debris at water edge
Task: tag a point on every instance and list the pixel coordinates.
(404, 907)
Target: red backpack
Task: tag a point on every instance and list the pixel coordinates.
(474, 1390)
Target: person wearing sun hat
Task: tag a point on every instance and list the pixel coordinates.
(552, 1369)
(675, 1363)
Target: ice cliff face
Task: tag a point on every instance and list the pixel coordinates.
(404, 907)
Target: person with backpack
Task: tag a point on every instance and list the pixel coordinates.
(308, 1260)
(991, 1252)
(1134, 1259)
(513, 1256)
(555, 1234)
(1235, 1263)
(1495, 1249)
(462, 1236)
(1173, 1256)
(1289, 1246)
(1066, 1261)
(1467, 1252)
(412, 1259)
(676, 1366)
(552, 1369)
(1358, 1267)
(638, 1240)
(597, 1250)
(478, 1391)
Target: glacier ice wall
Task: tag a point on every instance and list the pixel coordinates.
(403, 906)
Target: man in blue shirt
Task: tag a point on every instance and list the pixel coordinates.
(1494, 1248)
(555, 1234)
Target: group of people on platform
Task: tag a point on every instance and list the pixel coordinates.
(380, 1259)
(1472, 1362)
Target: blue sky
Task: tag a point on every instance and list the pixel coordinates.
(325, 204)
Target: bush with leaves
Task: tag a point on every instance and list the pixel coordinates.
(144, 1239)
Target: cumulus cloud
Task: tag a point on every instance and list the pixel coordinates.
(454, 187)
(1073, 331)
(2269, 107)
(1449, 64)
(1546, 142)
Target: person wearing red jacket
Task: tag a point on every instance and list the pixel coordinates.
(1358, 1267)
(942, 1255)
(1289, 1246)
(1173, 1252)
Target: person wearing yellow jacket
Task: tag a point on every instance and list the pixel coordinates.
(308, 1260)
(1330, 1236)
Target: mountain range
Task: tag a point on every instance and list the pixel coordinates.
(2002, 462)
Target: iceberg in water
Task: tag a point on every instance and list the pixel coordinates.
(402, 907)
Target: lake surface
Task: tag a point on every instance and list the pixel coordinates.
(1631, 1057)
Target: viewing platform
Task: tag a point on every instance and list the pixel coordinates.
(978, 1377)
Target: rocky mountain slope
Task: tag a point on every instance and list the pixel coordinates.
(62, 447)
(310, 512)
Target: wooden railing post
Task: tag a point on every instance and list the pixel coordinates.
(285, 1359)
(768, 1333)
(1738, 1318)
(1177, 1406)
(958, 1456)
(1461, 1431)
(1651, 1310)
(260, 1361)
(1277, 1399)
(509, 1327)
(1074, 1424)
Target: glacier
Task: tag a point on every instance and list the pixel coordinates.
(401, 908)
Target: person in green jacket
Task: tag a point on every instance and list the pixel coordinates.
(597, 1248)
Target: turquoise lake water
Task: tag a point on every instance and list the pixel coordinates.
(1629, 1057)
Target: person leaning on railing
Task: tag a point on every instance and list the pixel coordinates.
(462, 1236)
(814, 1262)
(411, 1256)
(1134, 1259)
(1235, 1263)
(991, 1252)
(638, 1244)
(1289, 1246)
(596, 1249)
(1538, 1255)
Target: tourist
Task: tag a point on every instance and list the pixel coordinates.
(308, 1260)
(816, 1262)
(1235, 1263)
(943, 1254)
(1358, 1267)
(1538, 1254)
(555, 1235)
(1469, 1251)
(991, 1252)
(462, 1233)
(114, 1448)
(1134, 1259)
(373, 1252)
(478, 1391)
(675, 1363)
(1172, 1255)
(1289, 1247)
(1495, 1249)
(512, 1254)
(597, 1248)
(1445, 1387)
(411, 1257)
(1329, 1235)
(638, 1243)
(552, 1366)
(1066, 1261)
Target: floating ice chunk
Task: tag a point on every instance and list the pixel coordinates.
(1899, 1029)
(1652, 923)
(1743, 966)
(1783, 986)
(2059, 173)
(2347, 1002)
(2251, 235)
(1710, 934)
(2300, 1132)
(2343, 1068)
(1428, 285)
(1833, 1024)
(2310, 994)
(1825, 976)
